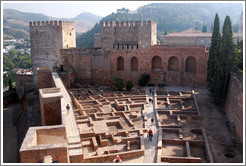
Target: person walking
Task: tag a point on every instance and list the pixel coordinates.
(68, 108)
(150, 134)
(150, 100)
(118, 160)
(153, 91)
(152, 120)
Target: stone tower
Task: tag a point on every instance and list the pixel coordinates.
(47, 38)
(126, 35)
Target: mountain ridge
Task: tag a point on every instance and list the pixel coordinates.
(16, 23)
(171, 17)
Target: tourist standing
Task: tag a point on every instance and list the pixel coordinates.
(153, 91)
(68, 108)
(152, 120)
(117, 160)
(150, 134)
(150, 100)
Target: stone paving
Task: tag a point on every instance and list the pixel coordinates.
(73, 137)
(151, 146)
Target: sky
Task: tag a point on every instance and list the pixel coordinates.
(72, 9)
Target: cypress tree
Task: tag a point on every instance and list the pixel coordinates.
(227, 45)
(213, 56)
(227, 56)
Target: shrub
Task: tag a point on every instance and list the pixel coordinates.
(11, 85)
(129, 85)
(144, 79)
(118, 84)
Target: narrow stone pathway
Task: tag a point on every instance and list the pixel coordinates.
(72, 131)
(151, 146)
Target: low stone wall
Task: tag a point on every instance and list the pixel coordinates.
(44, 78)
(111, 157)
(31, 152)
(68, 78)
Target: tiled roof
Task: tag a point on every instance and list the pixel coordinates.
(189, 33)
(194, 33)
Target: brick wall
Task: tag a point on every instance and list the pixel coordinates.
(68, 78)
(162, 75)
(52, 111)
(31, 152)
(44, 78)
(234, 104)
(97, 66)
(89, 65)
(79, 59)
(37, 156)
(101, 68)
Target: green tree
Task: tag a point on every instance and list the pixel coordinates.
(129, 85)
(11, 85)
(222, 58)
(214, 52)
(204, 28)
(239, 55)
(227, 55)
(118, 84)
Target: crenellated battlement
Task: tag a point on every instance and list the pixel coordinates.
(97, 34)
(47, 38)
(126, 24)
(50, 23)
(123, 34)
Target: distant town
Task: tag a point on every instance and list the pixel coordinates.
(21, 45)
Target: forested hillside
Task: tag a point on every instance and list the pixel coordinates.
(16, 23)
(171, 17)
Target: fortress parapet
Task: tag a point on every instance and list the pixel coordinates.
(126, 24)
(113, 34)
(50, 23)
(97, 40)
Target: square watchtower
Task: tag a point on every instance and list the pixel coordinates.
(47, 38)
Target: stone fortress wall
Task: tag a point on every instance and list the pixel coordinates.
(234, 105)
(126, 35)
(47, 38)
(122, 49)
(177, 65)
(126, 50)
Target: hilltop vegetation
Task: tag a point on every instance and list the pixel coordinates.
(16, 24)
(14, 60)
(170, 17)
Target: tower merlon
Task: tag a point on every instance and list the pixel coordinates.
(50, 23)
